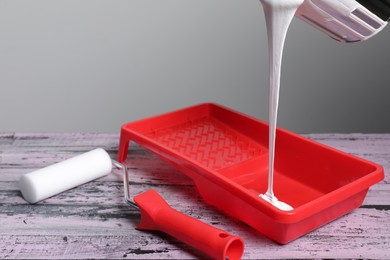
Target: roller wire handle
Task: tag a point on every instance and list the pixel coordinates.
(156, 214)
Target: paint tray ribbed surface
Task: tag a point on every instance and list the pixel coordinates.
(225, 153)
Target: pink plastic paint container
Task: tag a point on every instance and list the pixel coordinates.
(225, 153)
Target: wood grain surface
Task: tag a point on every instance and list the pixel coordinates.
(93, 222)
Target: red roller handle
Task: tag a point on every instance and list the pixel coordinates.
(156, 214)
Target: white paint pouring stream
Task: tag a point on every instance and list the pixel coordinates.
(278, 15)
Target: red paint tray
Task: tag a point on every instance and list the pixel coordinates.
(225, 153)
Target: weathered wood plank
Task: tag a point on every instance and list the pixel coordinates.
(92, 221)
(357, 235)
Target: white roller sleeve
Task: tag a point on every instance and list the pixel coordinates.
(49, 181)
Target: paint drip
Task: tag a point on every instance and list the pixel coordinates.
(278, 15)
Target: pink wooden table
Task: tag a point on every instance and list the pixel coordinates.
(92, 221)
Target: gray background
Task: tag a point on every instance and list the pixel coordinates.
(92, 65)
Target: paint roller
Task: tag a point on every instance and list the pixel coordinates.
(156, 214)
